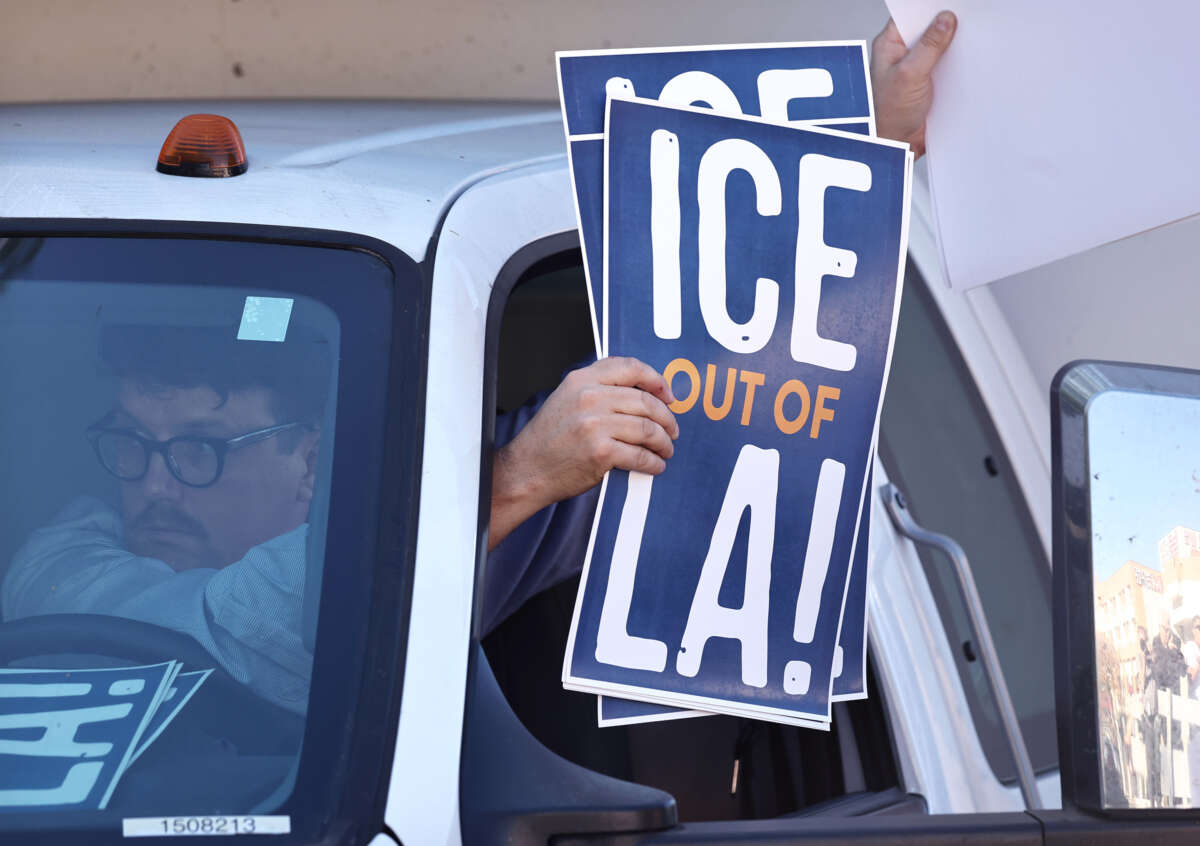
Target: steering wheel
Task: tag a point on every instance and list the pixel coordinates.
(223, 707)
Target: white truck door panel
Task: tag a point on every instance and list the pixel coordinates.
(485, 226)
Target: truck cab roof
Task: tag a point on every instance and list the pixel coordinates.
(381, 168)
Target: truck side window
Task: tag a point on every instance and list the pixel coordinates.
(941, 449)
(545, 330)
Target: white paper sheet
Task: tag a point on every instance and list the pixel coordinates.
(1057, 127)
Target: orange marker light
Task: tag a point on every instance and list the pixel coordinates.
(203, 145)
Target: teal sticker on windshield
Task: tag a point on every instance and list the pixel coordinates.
(265, 319)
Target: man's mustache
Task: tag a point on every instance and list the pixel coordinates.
(166, 517)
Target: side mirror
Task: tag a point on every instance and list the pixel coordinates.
(1126, 441)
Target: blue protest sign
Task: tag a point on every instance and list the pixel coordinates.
(816, 82)
(66, 736)
(176, 696)
(850, 659)
(822, 83)
(759, 267)
(613, 711)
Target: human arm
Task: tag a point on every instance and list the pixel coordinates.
(609, 415)
(246, 615)
(901, 79)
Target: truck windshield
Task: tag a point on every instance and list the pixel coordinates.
(168, 431)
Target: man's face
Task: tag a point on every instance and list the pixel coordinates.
(262, 492)
(1164, 635)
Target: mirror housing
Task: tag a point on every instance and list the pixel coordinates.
(1097, 722)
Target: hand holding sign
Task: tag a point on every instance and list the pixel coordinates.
(901, 79)
(611, 414)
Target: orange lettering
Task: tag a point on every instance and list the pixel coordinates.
(752, 380)
(715, 412)
(821, 413)
(792, 386)
(682, 365)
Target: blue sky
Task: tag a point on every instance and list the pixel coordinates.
(1144, 454)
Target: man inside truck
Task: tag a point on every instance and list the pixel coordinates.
(215, 444)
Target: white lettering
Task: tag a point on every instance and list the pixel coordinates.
(754, 484)
(77, 784)
(58, 741)
(614, 644)
(618, 87)
(815, 258)
(798, 674)
(777, 88)
(692, 87)
(826, 505)
(717, 163)
(664, 232)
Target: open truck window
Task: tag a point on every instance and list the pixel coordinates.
(193, 570)
(715, 767)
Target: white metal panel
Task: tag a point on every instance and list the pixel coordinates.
(485, 227)
(387, 170)
(1133, 300)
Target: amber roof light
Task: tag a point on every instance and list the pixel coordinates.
(203, 145)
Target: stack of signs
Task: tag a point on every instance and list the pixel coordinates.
(745, 235)
(67, 736)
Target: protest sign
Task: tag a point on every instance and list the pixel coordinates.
(70, 734)
(816, 82)
(1023, 174)
(814, 354)
(180, 691)
(850, 659)
(822, 83)
(614, 711)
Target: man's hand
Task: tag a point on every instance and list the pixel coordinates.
(611, 414)
(900, 79)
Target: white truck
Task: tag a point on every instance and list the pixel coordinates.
(432, 248)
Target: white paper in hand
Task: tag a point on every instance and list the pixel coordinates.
(1057, 127)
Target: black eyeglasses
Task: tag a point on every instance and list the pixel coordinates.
(195, 461)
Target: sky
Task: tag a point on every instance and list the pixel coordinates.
(1144, 457)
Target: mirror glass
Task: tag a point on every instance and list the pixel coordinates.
(1144, 480)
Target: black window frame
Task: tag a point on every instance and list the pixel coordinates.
(382, 521)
